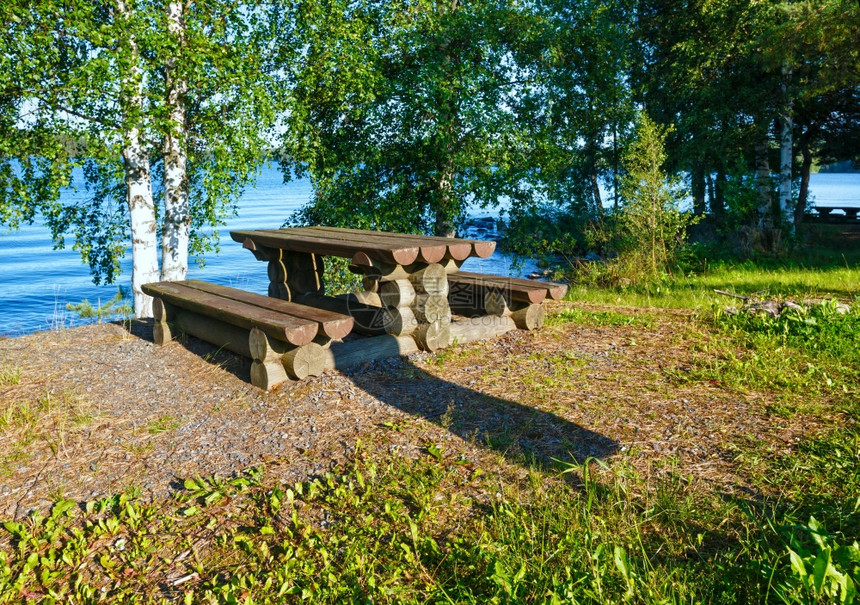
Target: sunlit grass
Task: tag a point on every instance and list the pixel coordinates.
(696, 291)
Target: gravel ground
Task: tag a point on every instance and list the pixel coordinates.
(100, 409)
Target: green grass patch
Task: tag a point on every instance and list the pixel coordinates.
(812, 352)
(433, 530)
(598, 318)
(162, 424)
(9, 375)
(696, 289)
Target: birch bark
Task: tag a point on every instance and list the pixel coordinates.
(138, 177)
(177, 215)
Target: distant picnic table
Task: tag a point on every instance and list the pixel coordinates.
(826, 213)
(414, 298)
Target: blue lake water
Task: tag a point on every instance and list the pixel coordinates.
(36, 282)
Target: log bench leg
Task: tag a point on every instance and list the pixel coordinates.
(161, 333)
(267, 369)
(272, 361)
(526, 316)
(299, 362)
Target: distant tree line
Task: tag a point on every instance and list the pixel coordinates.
(406, 112)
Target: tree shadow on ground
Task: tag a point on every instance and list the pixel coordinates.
(515, 430)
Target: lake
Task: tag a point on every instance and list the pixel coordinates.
(36, 282)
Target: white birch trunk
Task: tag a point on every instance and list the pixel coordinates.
(177, 215)
(786, 155)
(144, 240)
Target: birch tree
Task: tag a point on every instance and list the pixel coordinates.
(177, 215)
(175, 90)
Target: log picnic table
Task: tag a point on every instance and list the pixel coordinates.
(414, 298)
(826, 212)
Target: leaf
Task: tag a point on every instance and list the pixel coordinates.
(621, 562)
(797, 564)
(61, 507)
(16, 529)
(435, 451)
(820, 570)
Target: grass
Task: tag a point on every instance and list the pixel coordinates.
(162, 424)
(426, 530)
(696, 290)
(45, 421)
(9, 375)
(815, 270)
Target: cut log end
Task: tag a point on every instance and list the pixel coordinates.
(265, 375)
(433, 336)
(495, 303)
(161, 333)
(396, 293)
(431, 280)
(160, 310)
(529, 318)
(432, 307)
(304, 361)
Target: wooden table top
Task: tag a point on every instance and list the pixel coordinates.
(395, 248)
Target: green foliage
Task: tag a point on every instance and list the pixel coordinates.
(404, 113)
(117, 306)
(409, 531)
(822, 569)
(822, 344)
(651, 226)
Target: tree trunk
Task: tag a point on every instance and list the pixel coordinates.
(805, 168)
(177, 215)
(445, 214)
(718, 206)
(595, 192)
(762, 176)
(786, 154)
(697, 186)
(144, 252)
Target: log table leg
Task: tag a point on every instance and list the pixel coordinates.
(292, 274)
(398, 295)
(430, 307)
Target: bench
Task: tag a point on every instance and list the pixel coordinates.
(475, 294)
(282, 338)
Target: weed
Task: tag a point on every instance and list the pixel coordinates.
(163, 424)
(9, 375)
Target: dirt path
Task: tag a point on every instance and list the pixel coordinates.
(99, 409)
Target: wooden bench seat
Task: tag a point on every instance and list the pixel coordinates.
(282, 338)
(474, 294)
